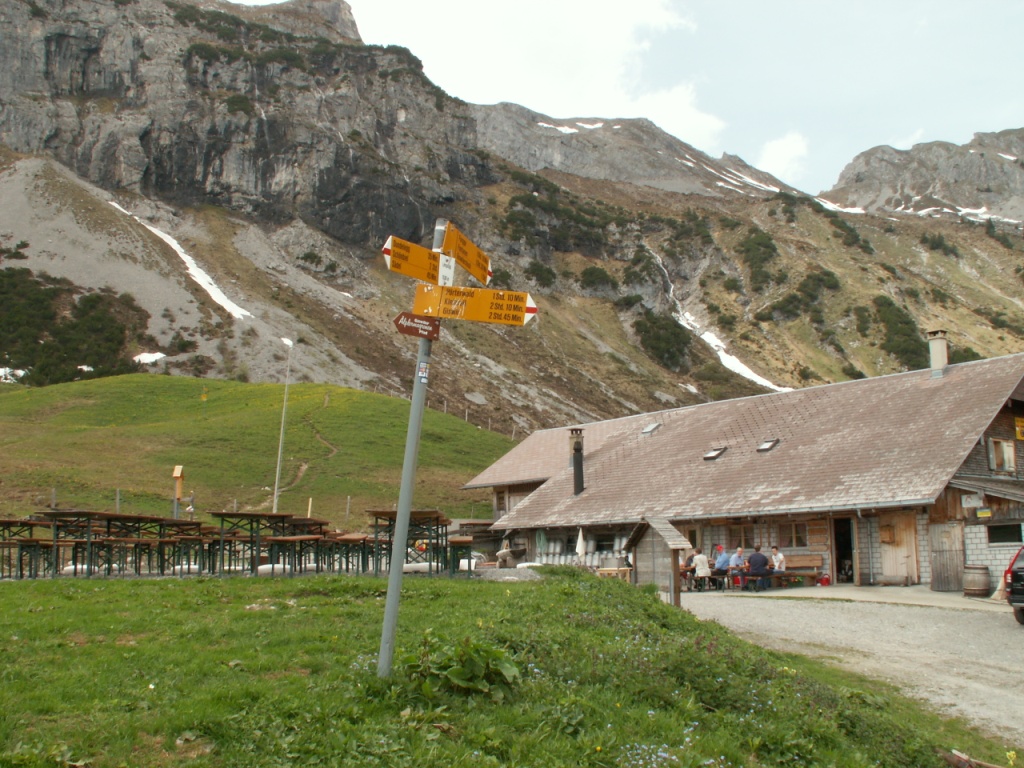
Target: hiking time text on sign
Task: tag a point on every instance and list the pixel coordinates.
(481, 305)
(419, 263)
(466, 254)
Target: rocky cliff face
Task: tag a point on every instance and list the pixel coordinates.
(279, 114)
(984, 178)
(633, 151)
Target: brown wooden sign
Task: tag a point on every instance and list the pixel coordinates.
(418, 326)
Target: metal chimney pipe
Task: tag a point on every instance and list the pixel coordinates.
(938, 348)
(576, 448)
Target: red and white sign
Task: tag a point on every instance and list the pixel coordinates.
(418, 262)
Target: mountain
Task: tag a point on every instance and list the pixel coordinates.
(224, 176)
(981, 179)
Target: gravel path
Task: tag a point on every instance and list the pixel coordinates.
(963, 662)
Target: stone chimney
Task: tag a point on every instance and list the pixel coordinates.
(938, 348)
(576, 457)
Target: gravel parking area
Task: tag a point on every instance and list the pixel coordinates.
(963, 661)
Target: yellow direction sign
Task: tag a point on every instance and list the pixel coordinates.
(418, 262)
(481, 305)
(466, 253)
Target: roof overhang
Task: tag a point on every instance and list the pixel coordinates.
(1012, 490)
(508, 484)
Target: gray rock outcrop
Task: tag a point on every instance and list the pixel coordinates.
(983, 178)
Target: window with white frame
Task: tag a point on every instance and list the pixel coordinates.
(1002, 455)
(792, 535)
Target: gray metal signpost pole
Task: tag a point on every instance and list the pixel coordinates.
(399, 541)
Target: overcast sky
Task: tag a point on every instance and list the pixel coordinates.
(795, 87)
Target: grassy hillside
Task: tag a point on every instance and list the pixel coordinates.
(567, 671)
(343, 448)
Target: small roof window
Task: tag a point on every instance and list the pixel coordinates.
(651, 428)
(768, 444)
(714, 453)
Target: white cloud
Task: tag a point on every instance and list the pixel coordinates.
(784, 157)
(906, 142)
(571, 58)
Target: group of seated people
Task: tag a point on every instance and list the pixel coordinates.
(749, 573)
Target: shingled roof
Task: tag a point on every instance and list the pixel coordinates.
(873, 443)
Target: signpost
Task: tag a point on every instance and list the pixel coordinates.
(481, 305)
(415, 325)
(467, 255)
(439, 299)
(418, 262)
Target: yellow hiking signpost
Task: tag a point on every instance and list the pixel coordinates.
(418, 262)
(481, 305)
(436, 299)
(466, 254)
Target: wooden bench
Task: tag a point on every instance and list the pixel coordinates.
(800, 568)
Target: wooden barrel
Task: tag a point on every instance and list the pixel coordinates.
(976, 581)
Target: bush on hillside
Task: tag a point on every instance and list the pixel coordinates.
(664, 339)
(903, 338)
(757, 250)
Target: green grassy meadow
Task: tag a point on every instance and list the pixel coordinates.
(569, 670)
(343, 448)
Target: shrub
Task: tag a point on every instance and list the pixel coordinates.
(902, 336)
(643, 268)
(664, 339)
(205, 51)
(286, 56)
(851, 371)
(628, 302)
(238, 102)
(863, 315)
(938, 243)
(757, 250)
(501, 278)
(596, 278)
(541, 274)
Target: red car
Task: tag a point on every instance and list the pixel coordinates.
(1013, 578)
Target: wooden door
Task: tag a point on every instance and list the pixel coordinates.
(898, 537)
(946, 554)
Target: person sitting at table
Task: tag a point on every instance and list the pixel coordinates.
(738, 567)
(686, 570)
(721, 570)
(701, 569)
(758, 566)
(778, 560)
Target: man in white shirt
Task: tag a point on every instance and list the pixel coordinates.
(778, 560)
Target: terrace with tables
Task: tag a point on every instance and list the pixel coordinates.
(72, 542)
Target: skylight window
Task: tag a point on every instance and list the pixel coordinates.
(767, 445)
(651, 428)
(714, 453)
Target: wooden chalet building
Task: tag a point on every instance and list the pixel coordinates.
(900, 479)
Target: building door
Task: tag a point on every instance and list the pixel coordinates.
(842, 549)
(897, 535)
(946, 552)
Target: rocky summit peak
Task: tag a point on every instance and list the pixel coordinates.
(305, 17)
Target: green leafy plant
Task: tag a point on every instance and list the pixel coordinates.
(468, 667)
